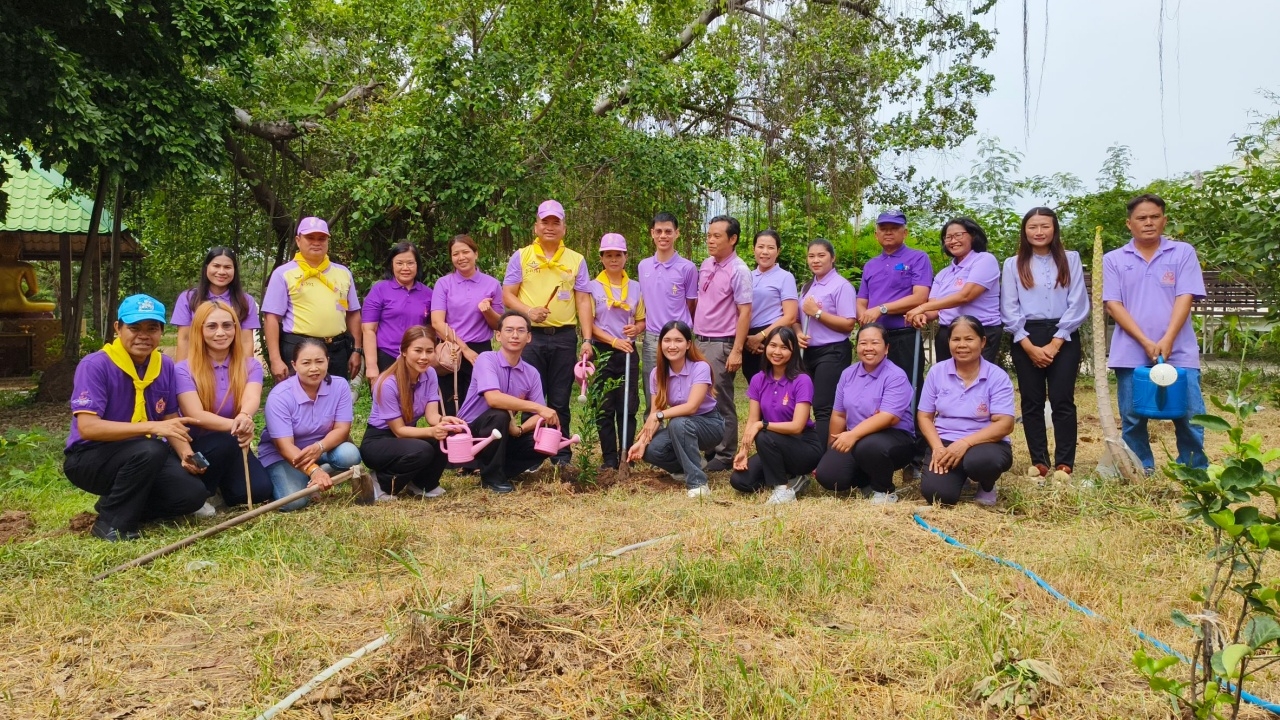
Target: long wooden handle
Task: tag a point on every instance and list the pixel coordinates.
(551, 297)
(244, 517)
(1099, 325)
(248, 488)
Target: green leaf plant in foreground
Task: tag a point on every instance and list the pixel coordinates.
(1234, 623)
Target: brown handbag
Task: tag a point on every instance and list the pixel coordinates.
(448, 357)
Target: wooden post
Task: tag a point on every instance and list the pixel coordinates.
(64, 281)
(113, 270)
(95, 294)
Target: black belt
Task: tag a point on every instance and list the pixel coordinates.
(724, 339)
(552, 330)
(328, 341)
(900, 331)
(1043, 323)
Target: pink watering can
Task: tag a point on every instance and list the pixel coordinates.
(462, 448)
(549, 441)
(582, 371)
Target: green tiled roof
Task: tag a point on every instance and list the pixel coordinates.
(32, 209)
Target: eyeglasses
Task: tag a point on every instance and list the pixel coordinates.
(957, 235)
(516, 331)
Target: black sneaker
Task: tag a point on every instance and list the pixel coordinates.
(718, 465)
(102, 531)
(502, 487)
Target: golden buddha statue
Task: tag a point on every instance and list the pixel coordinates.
(14, 274)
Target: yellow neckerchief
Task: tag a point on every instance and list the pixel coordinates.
(554, 262)
(309, 272)
(121, 358)
(621, 302)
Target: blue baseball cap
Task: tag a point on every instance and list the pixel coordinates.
(137, 308)
(891, 217)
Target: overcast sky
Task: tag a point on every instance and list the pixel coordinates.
(1101, 83)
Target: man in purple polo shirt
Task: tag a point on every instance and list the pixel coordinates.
(893, 282)
(1148, 287)
(720, 324)
(133, 452)
(503, 385)
(669, 286)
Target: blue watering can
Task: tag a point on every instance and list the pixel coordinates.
(1160, 402)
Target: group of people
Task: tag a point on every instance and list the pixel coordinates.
(156, 436)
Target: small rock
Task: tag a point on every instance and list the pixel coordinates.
(198, 565)
(199, 704)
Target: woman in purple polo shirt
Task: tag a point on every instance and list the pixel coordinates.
(308, 426)
(970, 285)
(681, 389)
(394, 304)
(1043, 302)
(465, 309)
(219, 280)
(830, 305)
(965, 415)
(871, 425)
(220, 390)
(778, 422)
(774, 300)
(407, 458)
(619, 320)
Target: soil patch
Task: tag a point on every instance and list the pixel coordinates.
(15, 525)
(82, 523)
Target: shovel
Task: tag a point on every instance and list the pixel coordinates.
(1117, 459)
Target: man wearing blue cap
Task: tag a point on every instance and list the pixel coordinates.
(127, 444)
(312, 297)
(893, 282)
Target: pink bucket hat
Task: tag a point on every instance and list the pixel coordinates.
(613, 241)
(550, 207)
(312, 224)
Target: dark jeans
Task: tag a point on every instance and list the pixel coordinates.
(1060, 378)
(991, 352)
(1188, 436)
(870, 464)
(678, 447)
(225, 473)
(906, 346)
(506, 457)
(399, 461)
(463, 376)
(751, 362)
(612, 418)
(138, 479)
(984, 464)
(825, 363)
(339, 347)
(554, 356)
(777, 458)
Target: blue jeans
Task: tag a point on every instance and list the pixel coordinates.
(287, 479)
(678, 448)
(1133, 428)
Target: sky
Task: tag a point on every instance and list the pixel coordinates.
(1101, 84)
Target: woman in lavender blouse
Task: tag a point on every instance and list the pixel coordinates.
(970, 285)
(394, 304)
(465, 309)
(1043, 302)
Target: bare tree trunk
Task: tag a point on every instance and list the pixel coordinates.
(113, 284)
(71, 338)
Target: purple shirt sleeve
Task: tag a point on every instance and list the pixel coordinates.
(929, 393)
(181, 316)
(253, 367)
(185, 383)
(386, 398)
(279, 412)
(374, 303)
(846, 377)
(1112, 290)
(1001, 393)
(276, 299)
(701, 373)
(485, 373)
(653, 381)
(1190, 277)
(89, 390)
(251, 321)
(515, 272)
(895, 397)
(496, 300)
(691, 281)
(803, 389)
(985, 271)
(433, 386)
(846, 303)
(1010, 308)
(756, 386)
(582, 283)
(1077, 300)
(741, 284)
(923, 268)
(788, 290)
(353, 300)
(536, 394)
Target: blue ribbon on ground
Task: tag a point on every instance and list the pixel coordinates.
(1159, 645)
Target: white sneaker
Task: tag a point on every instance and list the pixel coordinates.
(415, 491)
(799, 483)
(781, 494)
(205, 511)
(881, 498)
(700, 492)
(378, 494)
(434, 492)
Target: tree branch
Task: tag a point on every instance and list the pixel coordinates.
(266, 198)
(748, 10)
(725, 114)
(278, 131)
(866, 10)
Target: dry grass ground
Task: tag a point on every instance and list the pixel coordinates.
(826, 608)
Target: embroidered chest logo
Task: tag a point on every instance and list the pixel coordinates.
(981, 409)
(959, 283)
(675, 289)
(1168, 278)
(82, 400)
(160, 406)
(786, 398)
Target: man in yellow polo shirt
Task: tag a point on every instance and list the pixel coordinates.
(312, 297)
(548, 282)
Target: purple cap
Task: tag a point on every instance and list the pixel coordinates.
(312, 224)
(891, 217)
(613, 241)
(550, 207)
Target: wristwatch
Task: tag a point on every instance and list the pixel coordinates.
(884, 309)
(818, 315)
(358, 351)
(764, 424)
(661, 416)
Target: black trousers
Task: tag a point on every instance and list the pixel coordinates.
(339, 347)
(824, 364)
(385, 360)
(610, 420)
(870, 464)
(777, 458)
(399, 461)
(906, 346)
(554, 356)
(450, 402)
(752, 362)
(991, 352)
(1060, 379)
(507, 456)
(137, 480)
(225, 473)
(984, 464)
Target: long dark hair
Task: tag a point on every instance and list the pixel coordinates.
(400, 370)
(239, 301)
(1056, 249)
(795, 365)
(664, 368)
(399, 249)
(831, 250)
(974, 229)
